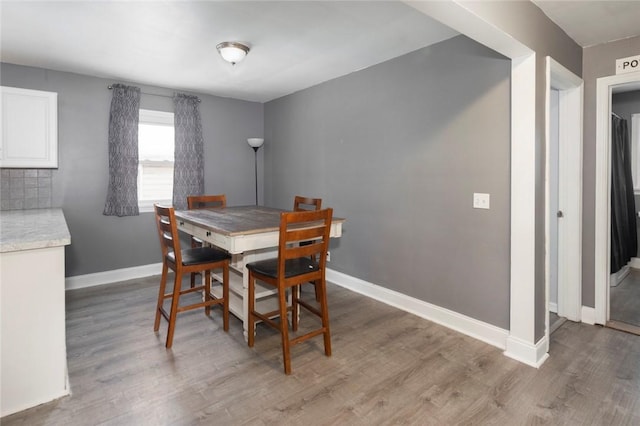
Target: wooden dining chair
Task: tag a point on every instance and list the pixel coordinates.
(203, 202)
(295, 265)
(305, 204)
(206, 201)
(183, 262)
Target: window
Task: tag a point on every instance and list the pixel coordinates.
(155, 158)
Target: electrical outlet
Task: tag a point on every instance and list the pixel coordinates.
(328, 256)
(481, 201)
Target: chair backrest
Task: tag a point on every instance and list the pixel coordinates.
(168, 232)
(304, 234)
(305, 204)
(206, 201)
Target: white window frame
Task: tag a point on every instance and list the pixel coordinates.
(162, 118)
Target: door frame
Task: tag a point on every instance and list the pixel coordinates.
(602, 263)
(570, 109)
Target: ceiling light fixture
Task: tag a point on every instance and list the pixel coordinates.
(232, 51)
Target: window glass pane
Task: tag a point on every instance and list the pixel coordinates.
(155, 142)
(156, 154)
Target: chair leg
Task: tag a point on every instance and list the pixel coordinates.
(251, 308)
(163, 286)
(295, 294)
(324, 309)
(175, 299)
(315, 288)
(284, 330)
(225, 296)
(193, 274)
(207, 291)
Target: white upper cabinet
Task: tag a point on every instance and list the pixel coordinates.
(29, 128)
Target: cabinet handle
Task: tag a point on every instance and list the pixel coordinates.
(208, 233)
(181, 223)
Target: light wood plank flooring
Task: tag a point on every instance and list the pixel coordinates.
(625, 300)
(388, 367)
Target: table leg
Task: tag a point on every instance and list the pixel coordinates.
(245, 301)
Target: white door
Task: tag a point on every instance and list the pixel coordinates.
(563, 193)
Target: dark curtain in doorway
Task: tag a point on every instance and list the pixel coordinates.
(624, 243)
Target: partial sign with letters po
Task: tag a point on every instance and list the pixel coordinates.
(630, 64)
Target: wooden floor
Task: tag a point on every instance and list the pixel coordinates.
(625, 300)
(388, 367)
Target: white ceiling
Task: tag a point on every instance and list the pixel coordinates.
(590, 23)
(294, 44)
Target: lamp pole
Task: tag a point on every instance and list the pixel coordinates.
(255, 143)
(255, 151)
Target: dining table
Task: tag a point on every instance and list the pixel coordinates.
(248, 233)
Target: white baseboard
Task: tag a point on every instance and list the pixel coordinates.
(471, 327)
(525, 352)
(108, 277)
(588, 315)
(634, 263)
(553, 307)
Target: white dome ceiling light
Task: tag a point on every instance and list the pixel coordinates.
(232, 51)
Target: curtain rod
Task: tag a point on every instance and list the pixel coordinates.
(152, 94)
(615, 115)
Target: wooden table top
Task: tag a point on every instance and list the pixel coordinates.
(240, 220)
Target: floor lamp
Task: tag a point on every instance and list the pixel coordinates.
(256, 143)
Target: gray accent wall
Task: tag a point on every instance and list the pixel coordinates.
(79, 186)
(598, 61)
(398, 149)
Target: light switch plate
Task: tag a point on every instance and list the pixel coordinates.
(481, 201)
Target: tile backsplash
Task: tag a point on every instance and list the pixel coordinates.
(25, 189)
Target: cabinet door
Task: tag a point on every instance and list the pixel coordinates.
(29, 128)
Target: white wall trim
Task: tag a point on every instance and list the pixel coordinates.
(525, 352)
(487, 333)
(109, 277)
(588, 315)
(523, 185)
(553, 307)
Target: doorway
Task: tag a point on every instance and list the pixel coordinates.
(624, 290)
(606, 87)
(563, 195)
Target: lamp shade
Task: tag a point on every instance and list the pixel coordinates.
(255, 142)
(232, 51)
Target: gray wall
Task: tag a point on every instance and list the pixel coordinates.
(398, 149)
(525, 22)
(625, 105)
(102, 243)
(598, 61)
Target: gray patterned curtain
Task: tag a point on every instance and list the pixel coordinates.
(188, 166)
(122, 194)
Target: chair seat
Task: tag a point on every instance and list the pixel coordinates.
(194, 256)
(292, 267)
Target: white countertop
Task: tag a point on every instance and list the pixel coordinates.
(32, 229)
